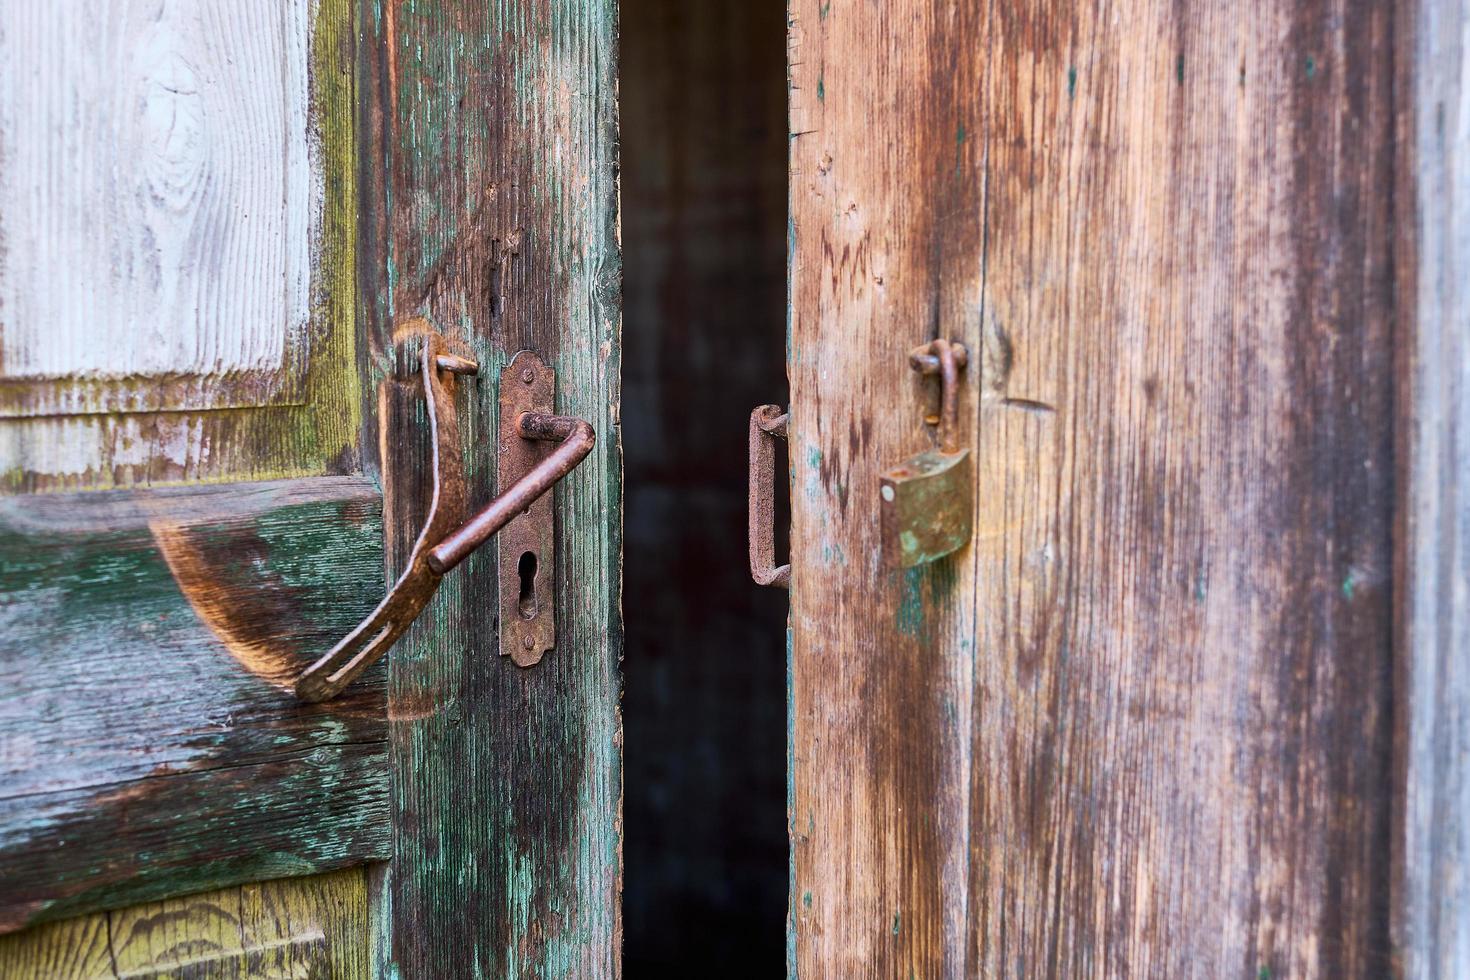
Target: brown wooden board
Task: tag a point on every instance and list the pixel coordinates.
(1141, 726)
(490, 207)
(149, 741)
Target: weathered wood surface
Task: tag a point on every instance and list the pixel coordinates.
(311, 928)
(149, 740)
(177, 213)
(1432, 682)
(491, 208)
(1142, 726)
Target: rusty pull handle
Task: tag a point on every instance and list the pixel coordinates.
(767, 424)
(445, 540)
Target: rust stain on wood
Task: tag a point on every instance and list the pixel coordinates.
(232, 614)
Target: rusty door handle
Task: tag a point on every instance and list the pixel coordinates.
(767, 424)
(438, 548)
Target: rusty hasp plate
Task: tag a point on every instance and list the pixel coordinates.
(526, 547)
(928, 501)
(367, 643)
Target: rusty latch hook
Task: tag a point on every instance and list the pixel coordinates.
(946, 359)
(438, 548)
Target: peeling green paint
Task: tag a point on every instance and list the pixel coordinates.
(911, 603)
(201, 720)
(490, 98)
(791, 883)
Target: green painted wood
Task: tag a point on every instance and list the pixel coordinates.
(149, 742)
(491, 198)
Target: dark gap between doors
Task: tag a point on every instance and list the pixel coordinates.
(703, 180)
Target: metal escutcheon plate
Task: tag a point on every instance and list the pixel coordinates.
(526, 547)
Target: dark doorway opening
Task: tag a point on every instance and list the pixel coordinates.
(703, 114)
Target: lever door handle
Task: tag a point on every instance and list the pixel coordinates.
(440, 546)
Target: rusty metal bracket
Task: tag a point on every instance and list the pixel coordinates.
(437, 550)
(767, 424)
(927, 502)
(946, 359)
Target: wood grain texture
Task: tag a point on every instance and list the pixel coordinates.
(177, 229)
(1142, 725)
(312, 928)
(159, 196)
(492, 210)
(149, 740)
(1433, 678)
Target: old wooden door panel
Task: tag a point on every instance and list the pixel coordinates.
(150, 742)
(1141, 726)
(177, 206)
(311, 928)
(496, 217)
(177, 305)
(471, 181)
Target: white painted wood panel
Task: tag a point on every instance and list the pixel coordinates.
(1433, 926)
(160, 197)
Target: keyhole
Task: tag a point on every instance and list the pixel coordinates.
(527, 570)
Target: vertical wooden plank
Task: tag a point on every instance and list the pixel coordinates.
(1142, 726)
(495, 128)
(1186, 583)
(885, 251)
(1433, 678)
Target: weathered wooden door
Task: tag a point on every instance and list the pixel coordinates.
(1185, 705)
(225, 230)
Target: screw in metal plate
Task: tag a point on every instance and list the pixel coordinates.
(528, 376)
(528, 642)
